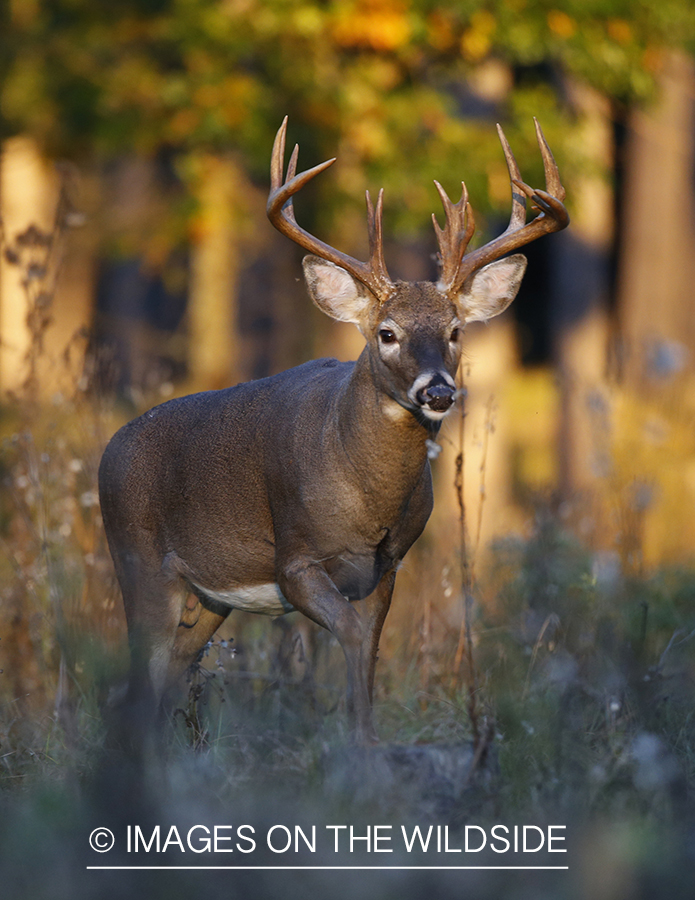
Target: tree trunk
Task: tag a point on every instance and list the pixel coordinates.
(657, 258)
(214, 353)
(28, 194)
(581, 256)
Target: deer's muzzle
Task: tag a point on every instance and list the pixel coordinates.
(437, 396)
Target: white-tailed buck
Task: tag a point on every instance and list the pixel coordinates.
(306, 490)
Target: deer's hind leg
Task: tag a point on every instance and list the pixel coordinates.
(153, 604)
(196, 626)
(165, 634)
(153, 608)
(168, 627)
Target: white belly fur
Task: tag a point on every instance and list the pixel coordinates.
(266, 599)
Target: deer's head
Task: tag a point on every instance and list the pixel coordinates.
(414, 329)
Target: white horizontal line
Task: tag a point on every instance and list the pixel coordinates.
(341, 868)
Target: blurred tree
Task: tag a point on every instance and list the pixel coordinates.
(396, 88)
(657, 263)
(385, 81)
(27, 188)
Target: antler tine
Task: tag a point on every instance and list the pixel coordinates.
(552, 174)
(553, 215)
(292, 164)
(376, 237)
(291, 172)
(518, 215)
(280, 212)
(456, 234)
(277, 157)
(292, 183)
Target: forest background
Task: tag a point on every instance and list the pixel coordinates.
(137, 264)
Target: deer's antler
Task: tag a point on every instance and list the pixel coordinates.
(372, 274)
(453, 239)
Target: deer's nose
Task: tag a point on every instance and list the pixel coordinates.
(438, 396)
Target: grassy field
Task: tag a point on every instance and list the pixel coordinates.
(567, 701)
(553, 687)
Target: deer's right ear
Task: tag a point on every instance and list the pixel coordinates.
(336, 292)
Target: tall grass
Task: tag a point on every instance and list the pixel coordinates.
(566, 667)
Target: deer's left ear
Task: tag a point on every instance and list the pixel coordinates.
(491, 289)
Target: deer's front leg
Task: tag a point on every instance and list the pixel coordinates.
(309, 588)
(377, 606)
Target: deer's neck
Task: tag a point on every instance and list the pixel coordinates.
(382, 439)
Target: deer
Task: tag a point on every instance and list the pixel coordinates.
(305, 490)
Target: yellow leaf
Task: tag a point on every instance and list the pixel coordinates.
(476, 40)
(619, 30)
(561, 24)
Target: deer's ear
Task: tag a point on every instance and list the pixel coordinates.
(491, 289)
(336, 292)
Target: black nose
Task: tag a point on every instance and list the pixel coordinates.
(438, 396)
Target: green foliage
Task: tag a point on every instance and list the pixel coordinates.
(590, 674)
(386, 82)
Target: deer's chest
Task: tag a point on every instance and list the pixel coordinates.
(361, 541)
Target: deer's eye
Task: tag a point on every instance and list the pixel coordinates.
(386, 336)
(455, 335)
